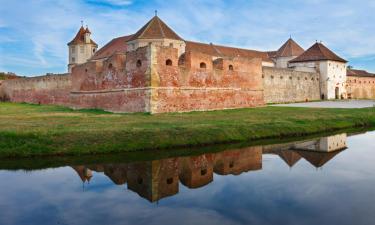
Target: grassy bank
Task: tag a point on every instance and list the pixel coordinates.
(32, 130)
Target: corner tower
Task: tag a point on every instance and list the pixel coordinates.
(288, 51)
(332, 69)
(158, 33)
(81, 48)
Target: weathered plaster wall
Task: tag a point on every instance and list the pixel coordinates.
(2, 92)
(49, 89)
(117, 84)
(184, 86)
(361, 87)
(286, 85)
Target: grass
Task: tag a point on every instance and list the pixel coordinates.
(36, 130)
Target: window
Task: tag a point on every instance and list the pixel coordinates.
(168, 62)
(171, 45)
(93, 50)
(73, 49)
(73, 59)
(203, 65)
(110, 66)
(203, 172)
(170, 180)
(81, 49)
(231, 67)
(139, 63)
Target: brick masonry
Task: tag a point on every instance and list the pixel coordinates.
(287, 85)
(156, 79)
(49, 89)
(361, 87)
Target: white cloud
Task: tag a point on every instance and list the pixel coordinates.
(119, 2)
(46, 26)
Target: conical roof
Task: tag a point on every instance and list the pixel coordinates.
(155, 29)
(289, 48)
(289, 157)
(318, 159)
(318, 52)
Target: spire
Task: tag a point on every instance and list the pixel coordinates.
(80, 36)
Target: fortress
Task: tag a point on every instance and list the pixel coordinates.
(156, 71)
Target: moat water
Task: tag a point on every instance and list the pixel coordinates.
(328, 180)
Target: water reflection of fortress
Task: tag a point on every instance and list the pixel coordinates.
(158, 179)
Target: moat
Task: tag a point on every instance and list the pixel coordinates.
(323, 180)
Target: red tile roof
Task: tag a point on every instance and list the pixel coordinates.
(318, 52)
(318, 159)
(359, 73)
(116, 45)
(155, 29)
(80, 37)
(289, 48)
(224, 51)
(272, 54)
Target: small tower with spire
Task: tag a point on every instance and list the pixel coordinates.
(81, 48)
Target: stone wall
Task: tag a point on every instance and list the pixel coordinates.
(286, 85)
(185, 86)
(120, 83)
(2, 92)
(360, 87)
(155, 79)
(49, 89)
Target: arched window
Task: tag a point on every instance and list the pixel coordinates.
(110, 66)
(203, 65)
(139, 63)
(168, 62)
(231, 67)
(203, 172)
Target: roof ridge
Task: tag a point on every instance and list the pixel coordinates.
(161, 28)
(285, 46)
(146, 27)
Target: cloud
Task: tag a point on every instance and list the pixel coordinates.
(111, 2)
(41, 29)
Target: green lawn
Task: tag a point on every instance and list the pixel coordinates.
(32, 130)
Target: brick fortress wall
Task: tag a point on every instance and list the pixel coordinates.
(154, 79)
(50, 89)
(117, 84)
(287, 85)
(180, 84)
(361, 87)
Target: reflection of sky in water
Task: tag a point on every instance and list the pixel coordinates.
(341, 192)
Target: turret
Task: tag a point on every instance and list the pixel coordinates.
(81, 48)
(332, 69)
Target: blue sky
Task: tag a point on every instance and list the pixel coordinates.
(34, 33)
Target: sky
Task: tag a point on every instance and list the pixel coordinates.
(34, 33)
